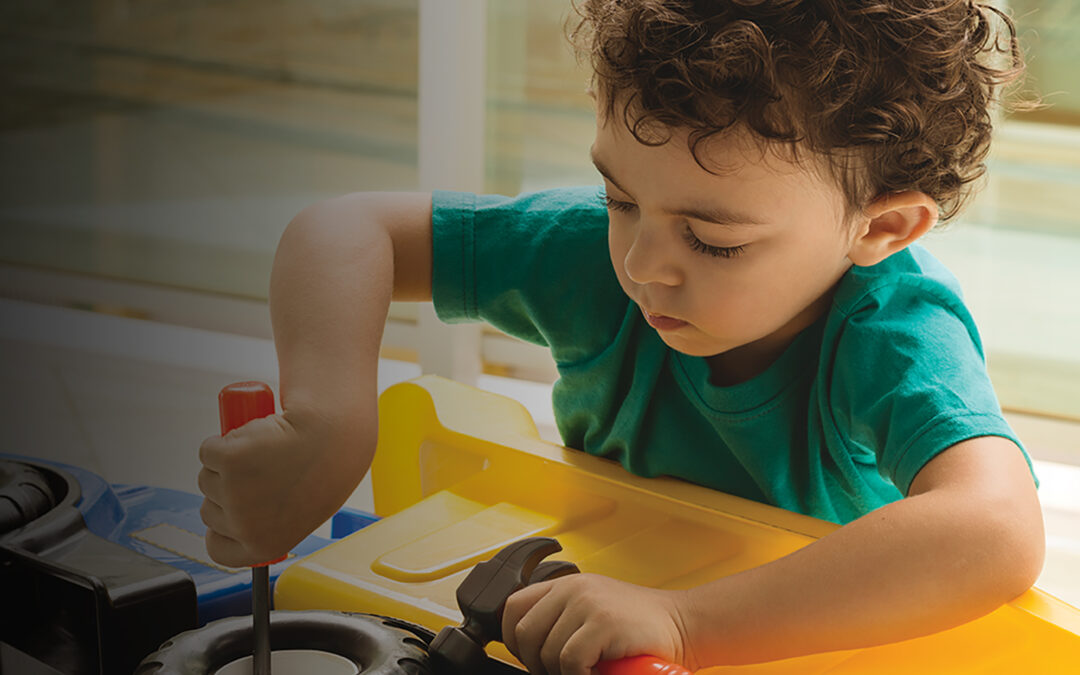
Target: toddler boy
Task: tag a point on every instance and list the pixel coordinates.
(742, 305)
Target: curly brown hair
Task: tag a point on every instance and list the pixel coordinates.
(894, 94)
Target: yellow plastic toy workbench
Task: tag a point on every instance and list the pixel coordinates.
(460, 473)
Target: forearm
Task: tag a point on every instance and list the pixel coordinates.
(916, 566)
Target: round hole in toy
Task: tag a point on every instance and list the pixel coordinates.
(295, 662)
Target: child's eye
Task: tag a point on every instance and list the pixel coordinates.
(616, 205)
(716, 251)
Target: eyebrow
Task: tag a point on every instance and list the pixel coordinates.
(704, 212)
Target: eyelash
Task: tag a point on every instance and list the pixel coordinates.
(715, 251)
(616, 205)
(688, 234)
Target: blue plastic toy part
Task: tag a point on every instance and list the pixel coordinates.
(348, 520)
(165, 525)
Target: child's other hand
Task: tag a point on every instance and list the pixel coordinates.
(271, 482)
(568, 625)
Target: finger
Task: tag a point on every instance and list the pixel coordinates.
(210, 485)
(212, 453)
(213, 516)
(516, 606)
(566, 626)
(226, 551)
(581, 652)
(532, 630)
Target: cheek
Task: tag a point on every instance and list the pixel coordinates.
(743, 293)
(793, 280)
(733, 308)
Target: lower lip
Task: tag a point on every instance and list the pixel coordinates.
(663, 322)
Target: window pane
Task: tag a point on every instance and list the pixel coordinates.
(539, 120)
(172, 142)
(1050, 33)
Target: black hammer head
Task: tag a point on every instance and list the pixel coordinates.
(482, 598)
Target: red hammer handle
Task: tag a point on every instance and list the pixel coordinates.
(640, 665)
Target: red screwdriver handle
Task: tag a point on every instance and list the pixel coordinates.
(238, 404)
(241, 402)
(640, 665)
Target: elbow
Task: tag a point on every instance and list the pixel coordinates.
(1029, 556)
(310, 217)
(1018, 549)
(329, 219)
(983, 489)
(305, 234)
(343, 228)
(999, 548)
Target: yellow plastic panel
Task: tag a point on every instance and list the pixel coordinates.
(459, 473)
(462, 544)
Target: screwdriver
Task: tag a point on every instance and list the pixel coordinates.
(238, 404)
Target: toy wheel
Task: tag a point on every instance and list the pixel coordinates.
(25, 495)
(376, 646)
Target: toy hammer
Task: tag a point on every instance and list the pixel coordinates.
(482, 599)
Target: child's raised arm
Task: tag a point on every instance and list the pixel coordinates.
(339, 262)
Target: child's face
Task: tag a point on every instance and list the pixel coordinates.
(743, 286)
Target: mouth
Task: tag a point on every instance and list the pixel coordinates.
(661, 322)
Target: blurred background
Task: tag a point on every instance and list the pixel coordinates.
(152, 152)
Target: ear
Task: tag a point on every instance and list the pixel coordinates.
(890, 223)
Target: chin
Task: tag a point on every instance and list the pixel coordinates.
(691, 349)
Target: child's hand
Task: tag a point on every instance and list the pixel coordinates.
(568, 625)
(271, 482)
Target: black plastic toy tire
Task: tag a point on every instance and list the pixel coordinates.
(25, 495)
(375, 645)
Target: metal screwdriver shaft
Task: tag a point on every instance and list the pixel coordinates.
(260, 614)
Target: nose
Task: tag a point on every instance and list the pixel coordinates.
(650, 259)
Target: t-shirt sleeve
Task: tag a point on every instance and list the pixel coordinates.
(910, 380)
(535, 266)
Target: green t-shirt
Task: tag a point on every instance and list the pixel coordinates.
(837, 426)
